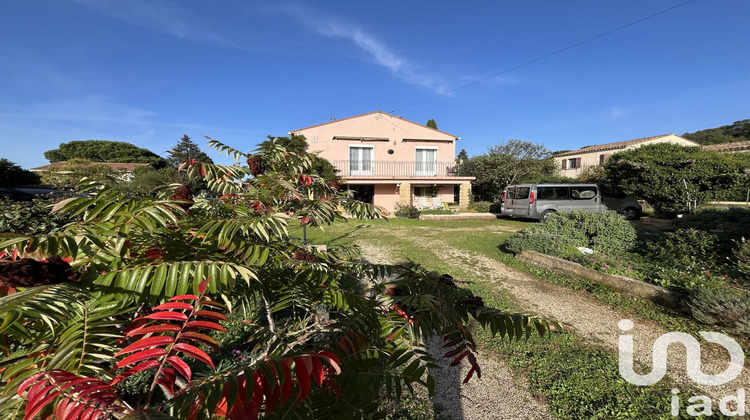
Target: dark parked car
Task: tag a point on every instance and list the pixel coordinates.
(28, 193)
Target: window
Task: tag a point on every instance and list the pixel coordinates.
(574, 163)
(425, 161)
(552, 193)
(522, 193)
(583, 192)
(361, 160)
(604, 158)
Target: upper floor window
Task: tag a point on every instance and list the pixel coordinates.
(361, 160)
(425, 161)
(571, 163)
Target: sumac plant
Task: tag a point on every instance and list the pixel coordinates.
(138, 322)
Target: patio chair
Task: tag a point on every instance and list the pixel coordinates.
(437, 203)
(422, 204)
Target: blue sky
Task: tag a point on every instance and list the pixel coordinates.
(149, 71)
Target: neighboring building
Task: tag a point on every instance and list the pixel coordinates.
(738, 146)
(389, 161)
(124, 171)
(572, 163)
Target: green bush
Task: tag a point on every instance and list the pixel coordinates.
(412, 212)
(684, 248)
(495, 207)
(30, 217)
(606, 232)
(730, 223)
(480, 206)
(741, 256)
(722, 306)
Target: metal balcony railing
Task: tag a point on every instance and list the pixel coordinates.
(349, 168)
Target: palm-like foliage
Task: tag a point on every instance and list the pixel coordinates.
(327, 333)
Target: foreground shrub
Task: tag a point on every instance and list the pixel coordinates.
(139, 325)
(722, 306)
(605, 232)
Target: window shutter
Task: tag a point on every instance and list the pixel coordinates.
(565, 163)
(606, 157)
(578, 162)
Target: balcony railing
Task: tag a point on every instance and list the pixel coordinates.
(349, 168)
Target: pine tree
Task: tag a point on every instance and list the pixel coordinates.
(187, 150)
(432, 124)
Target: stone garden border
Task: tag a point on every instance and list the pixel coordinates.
(651, 292)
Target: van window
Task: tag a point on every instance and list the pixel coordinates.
(511, 194)
(522, 193)
(582, 192)
(552, 193)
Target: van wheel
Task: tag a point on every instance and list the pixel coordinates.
(546, 214)
(631, 213)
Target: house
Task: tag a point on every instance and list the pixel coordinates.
(571, 164)
(123, 171)
(390, 161)
(737, 146)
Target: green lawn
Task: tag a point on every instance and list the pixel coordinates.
(577, 378)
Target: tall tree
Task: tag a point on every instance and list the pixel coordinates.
(104, 151)
(462, 156)
(187, 149)
(432, 124)
(298, 144)
(505, 164)
(12, 175)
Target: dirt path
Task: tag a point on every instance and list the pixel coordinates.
(497, 395)
(592, 320)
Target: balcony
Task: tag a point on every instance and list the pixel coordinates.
(380, 168)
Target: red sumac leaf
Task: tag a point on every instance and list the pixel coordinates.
(184, 297)
(202, 285)
(201, 338)
(207, 325)
(332, 360)
(159, 340)
(317, 371)
(25, 384)
(303, 377)
(194, 352)
(135, 369)
(457, 360)
(174, 305)
(35, 406)
(180, 366)
(153, 329)
(141, 356)
(211, 314)
(471, 373)
(168, 316)
(167, 380)
(287, 386)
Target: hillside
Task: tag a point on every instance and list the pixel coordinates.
(738, 131)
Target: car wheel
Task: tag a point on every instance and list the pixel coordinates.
(546, 214)
(631, 213)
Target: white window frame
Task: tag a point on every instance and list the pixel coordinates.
(425, 168)
(361, 170)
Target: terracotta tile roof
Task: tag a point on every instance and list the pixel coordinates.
(370, 113)
(736, 146)
(612, 146)
(127, 167)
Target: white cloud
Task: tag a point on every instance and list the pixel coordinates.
(376, 50)
(616, 112)
(164, 16)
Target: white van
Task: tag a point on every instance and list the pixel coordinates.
(537, 201)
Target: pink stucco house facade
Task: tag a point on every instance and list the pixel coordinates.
(390, 161)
